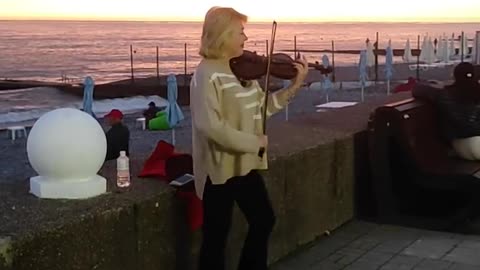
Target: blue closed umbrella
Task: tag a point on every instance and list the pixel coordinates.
(174, 113)
(362, 67)
(389, 66)
(88, 86)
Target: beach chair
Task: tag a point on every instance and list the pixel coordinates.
(14, 130)
(141, 122)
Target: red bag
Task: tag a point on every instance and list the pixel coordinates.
(155, 165)
(194, 208)
(406, 86)
(165, 164)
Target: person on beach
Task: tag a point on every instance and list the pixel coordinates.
(458, 107)
(151, 111)
(226, 139)
(118, 136)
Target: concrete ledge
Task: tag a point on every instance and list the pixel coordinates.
(314, 165)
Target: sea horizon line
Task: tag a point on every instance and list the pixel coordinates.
(454, 21)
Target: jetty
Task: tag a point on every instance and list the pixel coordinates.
(118, 89)
(9, 84)
(382, 52)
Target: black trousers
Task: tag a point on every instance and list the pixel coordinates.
(250, 194)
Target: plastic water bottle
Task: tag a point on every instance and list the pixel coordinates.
(123, 170)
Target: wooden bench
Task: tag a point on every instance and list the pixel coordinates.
(414, 171)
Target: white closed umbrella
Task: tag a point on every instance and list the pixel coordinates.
(429, 52)
(451, 46)
(465, 45)
(438, 52)
(445, 51)
(370, 55)
(423, 52)
(407, 53)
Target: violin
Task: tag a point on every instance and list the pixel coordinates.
(251, 66)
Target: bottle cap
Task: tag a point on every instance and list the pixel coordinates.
(123, 153)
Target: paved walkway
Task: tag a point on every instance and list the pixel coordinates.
(361, 245)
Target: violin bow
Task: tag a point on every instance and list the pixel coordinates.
(267, 78)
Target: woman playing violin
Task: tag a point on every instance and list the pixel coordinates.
(227, 137)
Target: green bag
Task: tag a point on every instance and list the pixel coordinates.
(160, 122)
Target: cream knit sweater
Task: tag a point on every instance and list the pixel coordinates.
(226, 122)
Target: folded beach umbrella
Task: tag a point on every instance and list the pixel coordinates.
(427, 54)
(451, 46)
(174, 113)
(407, 53)
(465, 45)
(389, 65)
(439, 50)
(362, 68)
(424, 50)
(88, 86)
(430, 52)
(327, 83)
(445, 53)
(370, 56)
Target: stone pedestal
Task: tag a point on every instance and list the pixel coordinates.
(57, 189)
(67, 147)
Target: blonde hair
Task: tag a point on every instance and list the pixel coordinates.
(217, 28)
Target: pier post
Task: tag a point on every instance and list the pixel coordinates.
(131, 63)
(158, 67)
(376, 58)
(462, 44)
(294, 47)
(185, 66)
(418, 57)
(333, 60)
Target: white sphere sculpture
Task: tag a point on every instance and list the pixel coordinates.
(67, 147)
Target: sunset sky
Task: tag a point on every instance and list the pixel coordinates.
(257, 10)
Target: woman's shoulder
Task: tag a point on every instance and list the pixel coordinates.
(209, 69)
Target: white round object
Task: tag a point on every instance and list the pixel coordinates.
(66, 145)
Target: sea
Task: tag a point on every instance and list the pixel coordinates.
(109, 50)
